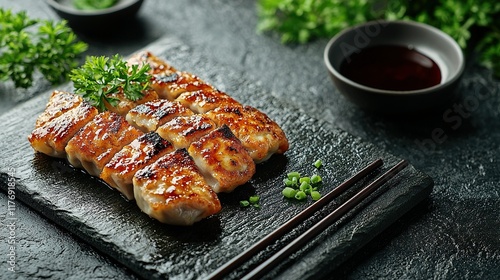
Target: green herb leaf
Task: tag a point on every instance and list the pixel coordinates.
(51, 49)
(303, 20)
(101, 77)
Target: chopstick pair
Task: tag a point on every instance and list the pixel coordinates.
(302, 216)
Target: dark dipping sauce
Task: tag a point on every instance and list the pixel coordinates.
(391, 68)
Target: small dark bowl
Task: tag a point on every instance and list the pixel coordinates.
(97, 20)
(423, 38)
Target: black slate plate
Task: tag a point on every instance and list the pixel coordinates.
(116, 227)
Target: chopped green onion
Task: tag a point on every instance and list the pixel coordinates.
(244, 203)
(304, 186)
(300, 195)
(254, 199)
(289, 192)
(305, 179)
(294, 174)
(300, 187)
(315, 179)
(315, 195)
(290, 183)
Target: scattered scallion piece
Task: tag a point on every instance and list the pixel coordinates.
(318, 163)
(304, 187)
(298, 187)
(289, 192)
(288, 182)
(252, 200)
(293, 174)
(305, 180)
(244, 203)
(315, 179)
(300, 195)
(315, 195)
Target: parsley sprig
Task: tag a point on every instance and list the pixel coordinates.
(27, 45)
(474, 24)
(101, 78)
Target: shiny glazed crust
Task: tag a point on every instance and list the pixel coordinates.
(202, 101)
(173, 191)
(120, 170)
(149, 116)
(182, 131)
(260, 135)
(98, 141)
(52, 137)
(222, 160)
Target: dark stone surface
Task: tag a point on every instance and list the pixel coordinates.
(453, 235)
(116, 227)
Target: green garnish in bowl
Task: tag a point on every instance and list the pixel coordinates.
(91, 5)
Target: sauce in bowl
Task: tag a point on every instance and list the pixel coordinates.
(390, 67)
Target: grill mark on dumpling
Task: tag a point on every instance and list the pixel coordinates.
(155, 140)
(183, 130)
(149, 116)
(52, 137)
(166, 78)
(120, 170)
(202, 101)
(222, 160)
(59, 103)
(99, 140)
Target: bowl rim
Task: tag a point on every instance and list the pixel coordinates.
(427, 90)
(74, 11)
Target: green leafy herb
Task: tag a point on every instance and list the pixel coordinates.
(472, 23)
(27, 45)
(93, 4)
(102, 77)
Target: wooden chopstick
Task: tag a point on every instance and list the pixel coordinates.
(323, 224)
(292, 223)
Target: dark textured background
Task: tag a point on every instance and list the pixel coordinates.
(455, 234)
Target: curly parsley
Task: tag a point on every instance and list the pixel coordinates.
(52, 49)
(304, 20)
(101, 77)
